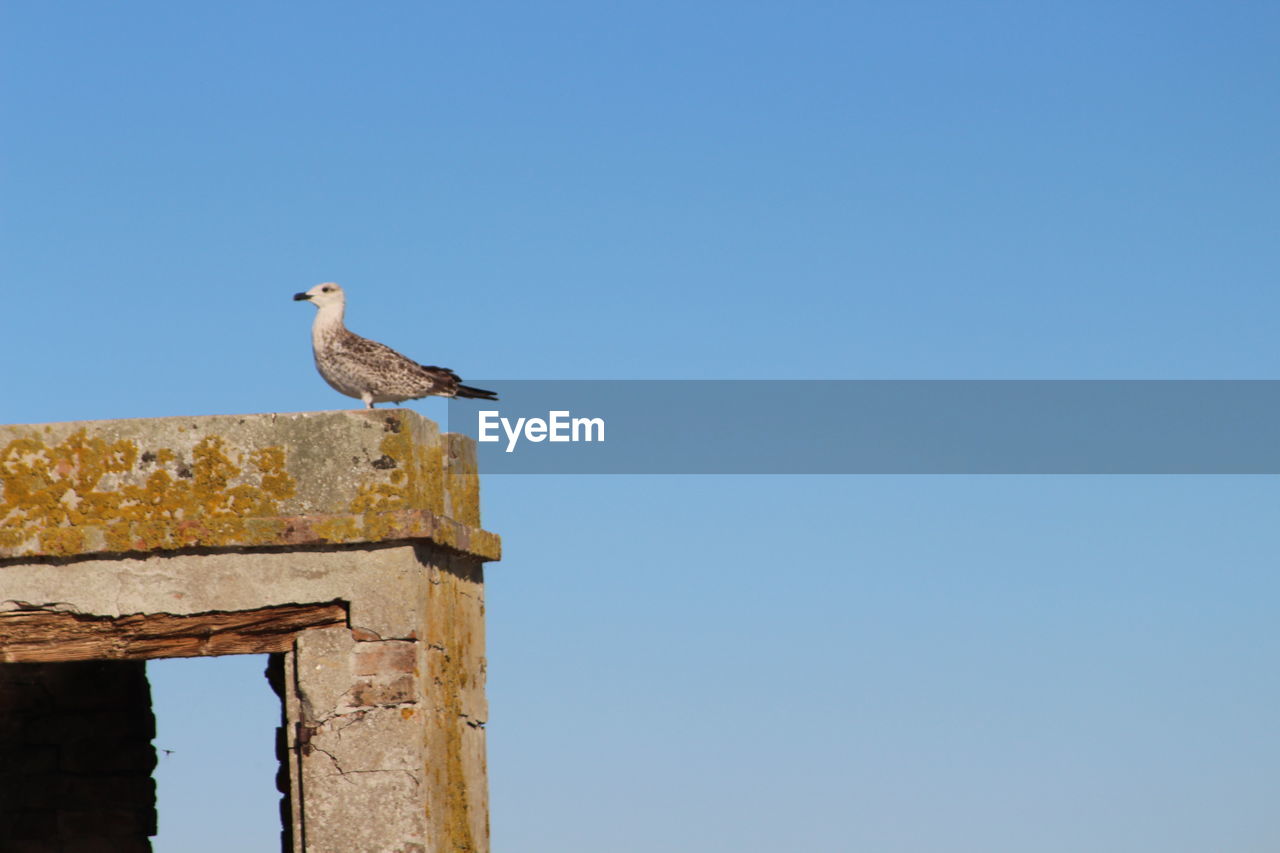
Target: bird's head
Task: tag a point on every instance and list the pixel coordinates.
(322, 295)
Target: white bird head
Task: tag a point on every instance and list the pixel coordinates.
(322, 295)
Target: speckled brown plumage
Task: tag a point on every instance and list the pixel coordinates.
(370, 371)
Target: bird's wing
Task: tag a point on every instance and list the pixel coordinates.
(369, 353)
(444, 380)
(382, 360)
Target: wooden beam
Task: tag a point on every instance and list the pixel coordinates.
(37, 635)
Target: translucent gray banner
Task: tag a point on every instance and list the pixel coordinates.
(874, 427)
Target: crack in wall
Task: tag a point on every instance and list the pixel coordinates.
(311, 747)
(352, 716)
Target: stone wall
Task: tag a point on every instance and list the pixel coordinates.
(346, 544)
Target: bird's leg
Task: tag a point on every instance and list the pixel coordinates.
(367, 397)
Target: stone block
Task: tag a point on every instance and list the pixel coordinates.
(345, 544)
(308, 478)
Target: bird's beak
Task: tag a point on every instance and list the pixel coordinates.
(298, 297)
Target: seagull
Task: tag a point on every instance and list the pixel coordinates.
(368, 370)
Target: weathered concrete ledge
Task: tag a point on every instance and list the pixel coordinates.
(96, 488)
(345, 545)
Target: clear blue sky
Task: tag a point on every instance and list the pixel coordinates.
(715, 190)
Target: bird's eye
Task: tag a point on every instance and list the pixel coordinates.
(327, 289)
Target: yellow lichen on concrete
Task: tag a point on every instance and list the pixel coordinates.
(66, 495)
(417, 482)
(228, 481)
(341, 528)
(463, 481)
(439, 476)
(456, 807)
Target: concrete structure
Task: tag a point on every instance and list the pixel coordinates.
(347, 545)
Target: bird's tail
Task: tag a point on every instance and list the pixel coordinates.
(475, 393)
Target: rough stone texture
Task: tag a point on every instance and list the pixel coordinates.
(382, 742)
(395, 718)
(309, 478)
(382, 587)
(455, 740)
